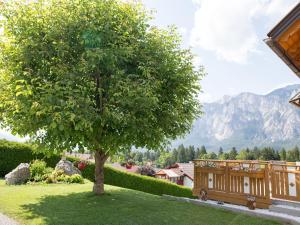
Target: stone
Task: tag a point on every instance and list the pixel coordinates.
(19, 175)
(67, 167)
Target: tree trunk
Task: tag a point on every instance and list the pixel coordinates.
(100, 158)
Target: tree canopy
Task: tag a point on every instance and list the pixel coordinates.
(93, 74)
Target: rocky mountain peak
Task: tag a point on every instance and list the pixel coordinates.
(248, 120)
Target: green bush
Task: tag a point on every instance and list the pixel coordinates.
(57, 176)
(39, 171)
(37, 167)
(75, 178)
(138, 182)
(14, 153)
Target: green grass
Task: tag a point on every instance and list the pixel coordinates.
(72, 204)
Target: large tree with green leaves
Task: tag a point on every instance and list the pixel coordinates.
(93, 74)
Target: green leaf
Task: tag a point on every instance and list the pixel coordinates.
(53, 125)
(61, 127)
(19, 93)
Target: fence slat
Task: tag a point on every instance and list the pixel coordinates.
(298, 186)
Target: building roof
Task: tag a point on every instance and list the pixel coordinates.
(187, 169)
(170, 172)
(284, 39)
(178, 170)
(133, 169)
(296, 100)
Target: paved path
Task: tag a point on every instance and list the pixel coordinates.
(4, 220)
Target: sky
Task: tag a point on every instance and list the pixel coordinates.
(227, 39)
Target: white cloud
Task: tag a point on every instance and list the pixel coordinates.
(228, 27)
(197, 61)
(183, 31)
(205, 97)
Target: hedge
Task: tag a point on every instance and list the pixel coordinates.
(14, 153)
(138, 182)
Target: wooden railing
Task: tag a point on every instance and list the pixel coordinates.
(285, 181)
(233, 181)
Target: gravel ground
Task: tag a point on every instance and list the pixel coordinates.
(4, 220)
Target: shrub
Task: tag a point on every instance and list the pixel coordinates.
(14, 153)
(58, 173)
(50, 179)
(59, 176)
(37, 167)
(75, 178)
(39, 171)
(138, 182)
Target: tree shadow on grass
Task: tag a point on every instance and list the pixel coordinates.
(127, 207)
(115, 207)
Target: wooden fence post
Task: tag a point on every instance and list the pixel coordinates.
(267, 181)
(227, 183)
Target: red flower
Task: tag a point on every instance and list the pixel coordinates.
(81, 165)
(128, 166)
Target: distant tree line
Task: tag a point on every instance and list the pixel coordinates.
(183, 154)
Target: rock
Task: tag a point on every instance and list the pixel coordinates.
(19, 175)
(67, 167)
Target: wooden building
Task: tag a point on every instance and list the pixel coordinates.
(179, 173)
(284, 40)
(174, 175)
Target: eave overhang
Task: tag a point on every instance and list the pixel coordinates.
(284, 39)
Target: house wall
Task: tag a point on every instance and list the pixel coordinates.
(188, 182)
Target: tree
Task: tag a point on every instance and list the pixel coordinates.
(94, 75)
(165, 160)
(220, 154)
(147, 155)
(190, 154)
(243, 155)
(282, 154)
(268, 153)
(225, 156)
(138, 157)
(197, 153)
(175, 155)
(297, 153)
(202, 151)
(212, 155)
(276, 155)
(181, 154)
(233, 154)
(293, 154)
(256, 152)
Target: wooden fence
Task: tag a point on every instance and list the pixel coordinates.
(233, 181)
(285, 181)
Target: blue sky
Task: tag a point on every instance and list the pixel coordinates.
(227, 37)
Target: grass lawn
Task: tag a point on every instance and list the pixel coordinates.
(72, 204)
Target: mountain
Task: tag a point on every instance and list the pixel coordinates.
(248, 120)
